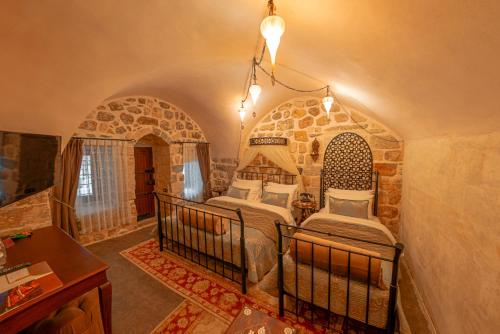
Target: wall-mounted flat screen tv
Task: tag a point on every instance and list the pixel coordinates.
(28, 164)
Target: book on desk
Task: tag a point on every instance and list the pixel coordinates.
(24, 285)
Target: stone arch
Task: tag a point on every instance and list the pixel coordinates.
(135, 116)
(302, 119)
(132, 118)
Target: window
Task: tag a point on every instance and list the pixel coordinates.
(85, 180)
(193, 183)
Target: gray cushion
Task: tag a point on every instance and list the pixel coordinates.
(277, 199)
(237, 192)
(345, 207)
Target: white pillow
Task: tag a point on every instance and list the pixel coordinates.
(353, 195)
(255, 187)
(290, 189)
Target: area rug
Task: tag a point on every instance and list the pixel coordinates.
(211, 301)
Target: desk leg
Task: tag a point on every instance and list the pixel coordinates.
(105, 301)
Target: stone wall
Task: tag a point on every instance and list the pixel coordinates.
(303, 119)
(222, 171)
(29, 213)
(451, 203)
(136, 117)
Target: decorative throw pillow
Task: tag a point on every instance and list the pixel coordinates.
(351, 208)
(277, 199)
(237, 192)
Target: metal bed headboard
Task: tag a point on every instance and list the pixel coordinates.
(284, 178)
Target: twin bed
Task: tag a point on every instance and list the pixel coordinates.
(341, 260)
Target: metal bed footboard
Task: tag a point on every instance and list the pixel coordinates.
(168, 209)
(283, 241)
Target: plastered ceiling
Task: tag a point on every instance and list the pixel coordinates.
(424, 68)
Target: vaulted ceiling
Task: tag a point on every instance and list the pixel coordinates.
(424, 68)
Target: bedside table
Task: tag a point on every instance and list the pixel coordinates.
(306, 209)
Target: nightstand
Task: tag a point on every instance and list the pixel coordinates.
(306, 209)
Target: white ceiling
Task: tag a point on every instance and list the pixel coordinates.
(423, 68)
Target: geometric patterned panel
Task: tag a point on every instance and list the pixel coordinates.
(348, 163)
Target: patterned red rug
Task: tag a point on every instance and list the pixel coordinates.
(211, 302)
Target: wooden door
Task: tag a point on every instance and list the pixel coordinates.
(144, 182)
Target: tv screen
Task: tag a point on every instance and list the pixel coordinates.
(27, 164)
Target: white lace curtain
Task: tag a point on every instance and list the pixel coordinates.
(193, 182)
(102, 200)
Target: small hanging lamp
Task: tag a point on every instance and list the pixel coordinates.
(272, 28)
(242, 112)
(328, 101)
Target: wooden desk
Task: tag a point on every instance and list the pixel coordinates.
(78, 269)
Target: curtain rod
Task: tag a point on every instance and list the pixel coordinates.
(111, 139)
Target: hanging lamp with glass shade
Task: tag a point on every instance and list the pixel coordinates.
(254, 89)
(272, 28)
(327, 101)
(242, 111)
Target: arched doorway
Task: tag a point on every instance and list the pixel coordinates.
(152, 173)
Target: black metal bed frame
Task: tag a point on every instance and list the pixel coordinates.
(287, 178)
(168, 204)
(282, 247)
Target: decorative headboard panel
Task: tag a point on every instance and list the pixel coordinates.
(266, 174)
(348, 164)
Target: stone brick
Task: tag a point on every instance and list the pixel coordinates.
(298, 113)
(165, 125)
(394, 155)
(302, 148)
(384, 142)
(323, 120)
(312, 102)
(267, 127)
(115, 106)
(168, 114)
(301, 159)
(285, 125)
(147, 121)
(196, 135)
(357, 117)
(285, 106)
(378, 155)
(340, 118)
(301, 136)
(387, 211)
(386, 169)
(120, 130)
(266, 119)
(88, 125)
(306, 122)
(313, 111)
(101, 107)
(126, 118)
(141, 100)
(164, 105)
(299, 104)
(105, 116)
(134, 110)
(276, 116)
(293, 147)
(286, 114)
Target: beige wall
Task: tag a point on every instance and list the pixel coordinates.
(451, 228)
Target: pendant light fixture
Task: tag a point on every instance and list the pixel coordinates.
(328, 101)
(254, 89)
(272, 28)
(242, 112)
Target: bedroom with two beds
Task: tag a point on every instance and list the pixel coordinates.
(338, 266)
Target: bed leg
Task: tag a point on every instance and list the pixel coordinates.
(242, 254)
(391, 319)
(160, 229)
(280, 272)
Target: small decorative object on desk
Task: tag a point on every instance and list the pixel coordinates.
(251, 321)
(306, 208)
